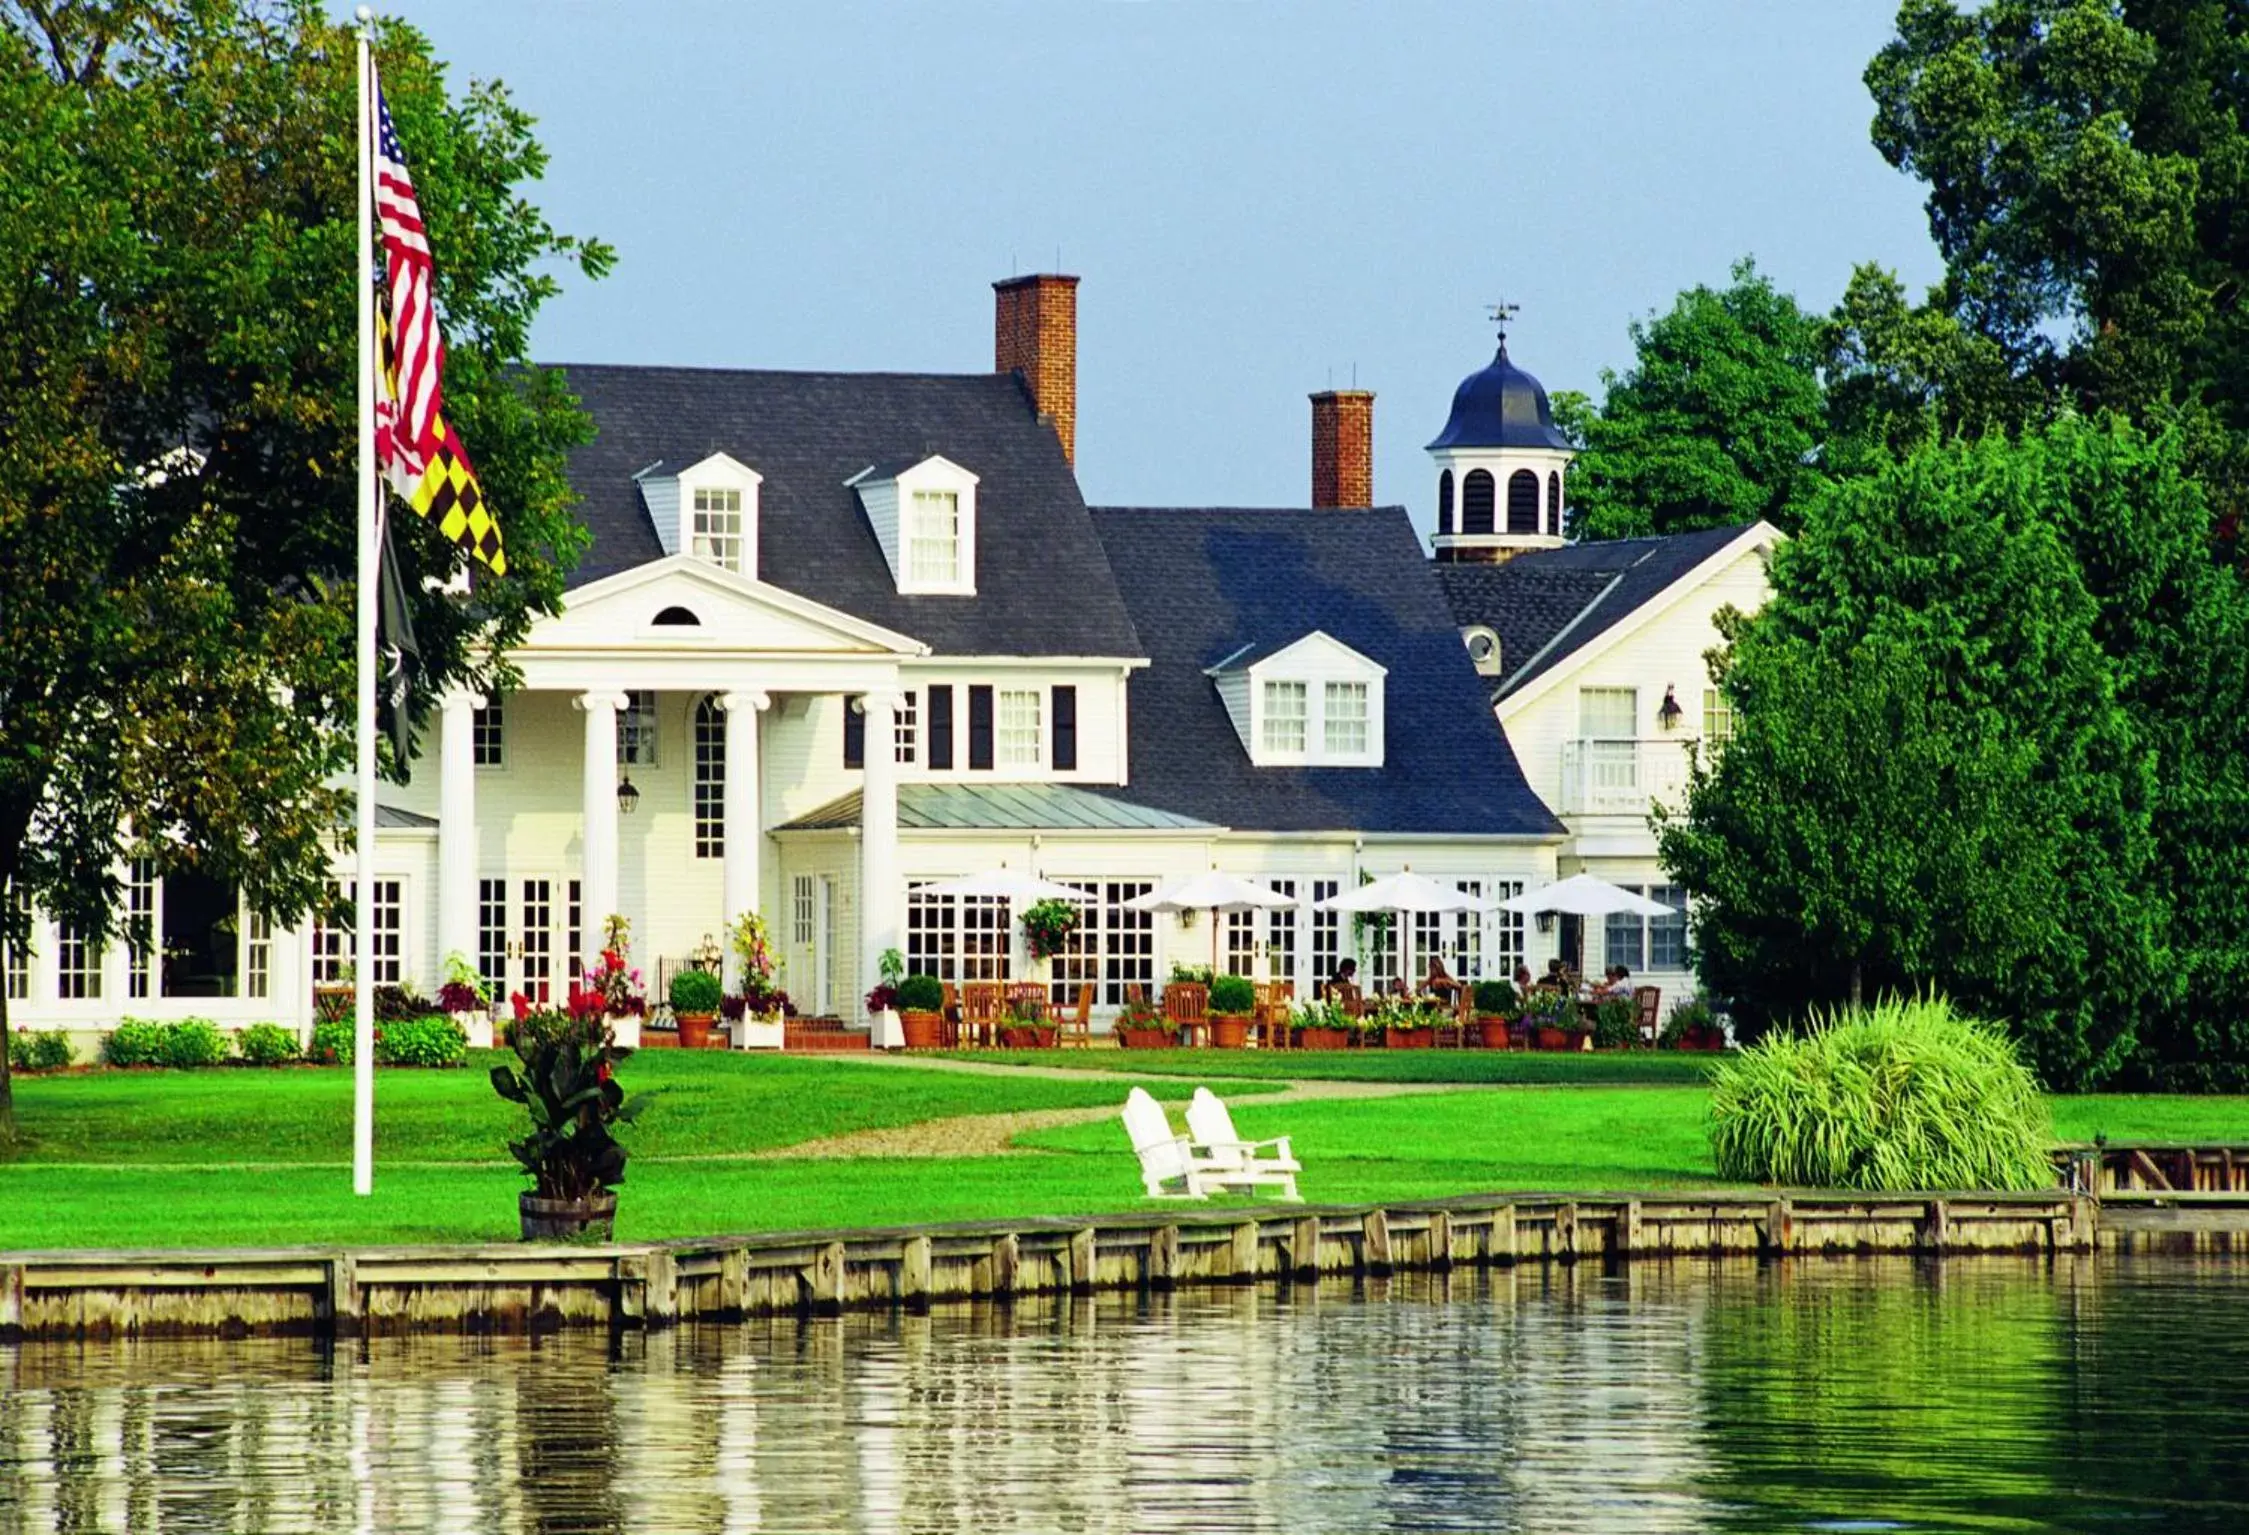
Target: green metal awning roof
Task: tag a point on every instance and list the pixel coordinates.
(1002, 807)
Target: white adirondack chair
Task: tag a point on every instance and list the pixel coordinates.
(1164, 1156)
(1228, 1161)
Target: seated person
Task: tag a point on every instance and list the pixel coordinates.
(1522, 979)
(1557, 975)
(1346, 974)
(1616, 982)
(1437, 982)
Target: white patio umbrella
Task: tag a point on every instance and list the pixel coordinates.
(1582, 895)
(1005, 885)
(1405, 892)
(1213, 892)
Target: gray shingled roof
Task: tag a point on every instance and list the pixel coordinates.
(1200, 584)
(1043, 584)
(1550, 603)
(1001, 807)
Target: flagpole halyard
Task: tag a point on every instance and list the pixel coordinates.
(363, 928)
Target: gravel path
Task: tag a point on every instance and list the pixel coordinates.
(993, 1135)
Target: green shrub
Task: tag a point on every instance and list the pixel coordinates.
(399, 1004)
(1693, 1014)
(435, 1040)
(1232, 994)
(134, 1042)
(49, 1051)
(1495, 996)
(268, 1044)
(1191, 975)
(921, 994)
(331, 1043)
(1614, 1025)
(190, 1043)
(1900, 1095)
(695, 991)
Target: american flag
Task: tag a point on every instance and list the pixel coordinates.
(418, 452)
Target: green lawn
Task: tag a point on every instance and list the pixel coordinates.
(1482, 1066)
(250, 1158)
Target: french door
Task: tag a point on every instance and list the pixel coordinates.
(529, 941)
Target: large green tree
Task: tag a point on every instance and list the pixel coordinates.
(1939, 776)
(177, 438)
(1719, 420)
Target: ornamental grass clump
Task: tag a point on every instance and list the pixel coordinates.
(1899, 1095)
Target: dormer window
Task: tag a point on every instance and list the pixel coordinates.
(923, 512)
(1313, 702)
(707, 509)
(934, 545)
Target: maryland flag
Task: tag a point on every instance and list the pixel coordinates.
(418, 451)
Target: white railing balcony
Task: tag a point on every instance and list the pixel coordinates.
(1622, 776)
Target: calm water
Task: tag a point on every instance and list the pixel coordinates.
(1989, 1395)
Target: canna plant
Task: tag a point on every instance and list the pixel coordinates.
(568, 1086)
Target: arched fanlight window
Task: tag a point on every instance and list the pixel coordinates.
(678, 616)
(1522, 502)
(1554, 502)
(1477, 494)
(1444, 502)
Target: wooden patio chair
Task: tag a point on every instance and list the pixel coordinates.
(1275, 1003)
(1462, 1016)
(1075, 1023)
(1027, 999)
(949, 1009)
(980, 1013)
(1645, 1002)
(1187, 1006)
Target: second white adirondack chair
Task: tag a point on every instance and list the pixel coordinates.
(1231, 1162)
(1165, 1159)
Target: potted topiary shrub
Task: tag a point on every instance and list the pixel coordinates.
(569, 1087)
(1322, 1026)
(921, 1012)
(1496, 1005)
(1233, 998)
(467, 1000)
(1140, 1027)
(695, 997)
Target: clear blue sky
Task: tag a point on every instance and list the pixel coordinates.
(1259, 198)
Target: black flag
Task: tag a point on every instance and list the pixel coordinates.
(397, 656)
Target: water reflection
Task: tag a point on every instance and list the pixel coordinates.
(1993, 1395)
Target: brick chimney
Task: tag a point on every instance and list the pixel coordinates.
(1036, 334)
(1343, 448)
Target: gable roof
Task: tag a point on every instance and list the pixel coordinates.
(1548, 604)
(1200, 584)
(1043, 586)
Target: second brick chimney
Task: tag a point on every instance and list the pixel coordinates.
(1035, 333)
(1343, 448)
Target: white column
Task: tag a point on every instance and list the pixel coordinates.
(878, 838)
(745, 833)
(456, 827)
(599, 847)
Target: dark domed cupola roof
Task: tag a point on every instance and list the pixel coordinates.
(1501, 407)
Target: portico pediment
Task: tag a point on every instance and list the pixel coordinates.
(682, 603)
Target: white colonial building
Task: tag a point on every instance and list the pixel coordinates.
(839, 636)
(1594, 654)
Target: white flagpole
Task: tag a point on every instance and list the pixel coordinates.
(363, 968)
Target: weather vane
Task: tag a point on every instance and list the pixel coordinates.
(1501, 313)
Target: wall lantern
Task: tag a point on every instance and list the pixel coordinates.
(628, 797)
(1668, 714)
(1546, 922)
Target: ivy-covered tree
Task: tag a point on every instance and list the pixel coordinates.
(178, 439)
(1718, 421)
(1937, 777)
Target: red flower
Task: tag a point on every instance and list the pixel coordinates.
(601, 1072)
(522, 1006)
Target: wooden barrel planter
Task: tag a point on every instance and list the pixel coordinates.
(564, 1220)
(1229, 1031)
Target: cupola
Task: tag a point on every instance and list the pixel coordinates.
(1501, 463)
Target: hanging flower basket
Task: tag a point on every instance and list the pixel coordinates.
(1049, 925)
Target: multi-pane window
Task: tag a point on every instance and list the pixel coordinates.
(257, 955)
(1625, 941)
(1327, 931)
(140, 928)
(717, 531)
(1507, 931)
(492, 934)
(488, 735)
(932, 930)
(332, 945)
(1667, 936)
(1241, 943)
(1113, 947)
(1428, 942)
(18, 967)
(906, 728)
(1344, 708)
(1717, 716)
(78, 963)
(710, 779)
(574, 932)
(1287, 714)
(536, 914)
(1021, 742)
(1280, 934)
(636, 729)
(934, 547)
(957, 939)
(1468, 936)
(800, 911)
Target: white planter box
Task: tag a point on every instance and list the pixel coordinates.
(887, 1032)
(478, 1027)
(625, 1031)
(758, 1033)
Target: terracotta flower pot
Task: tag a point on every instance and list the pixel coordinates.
(1229, 1031)
(1323, 1039)
(923, 1031)
(1409, 1039)
(1552, 1038)
(1026, 1036)
(1495, 1030)
(1144, 1039)
(561, 1220)
(695, 1030)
